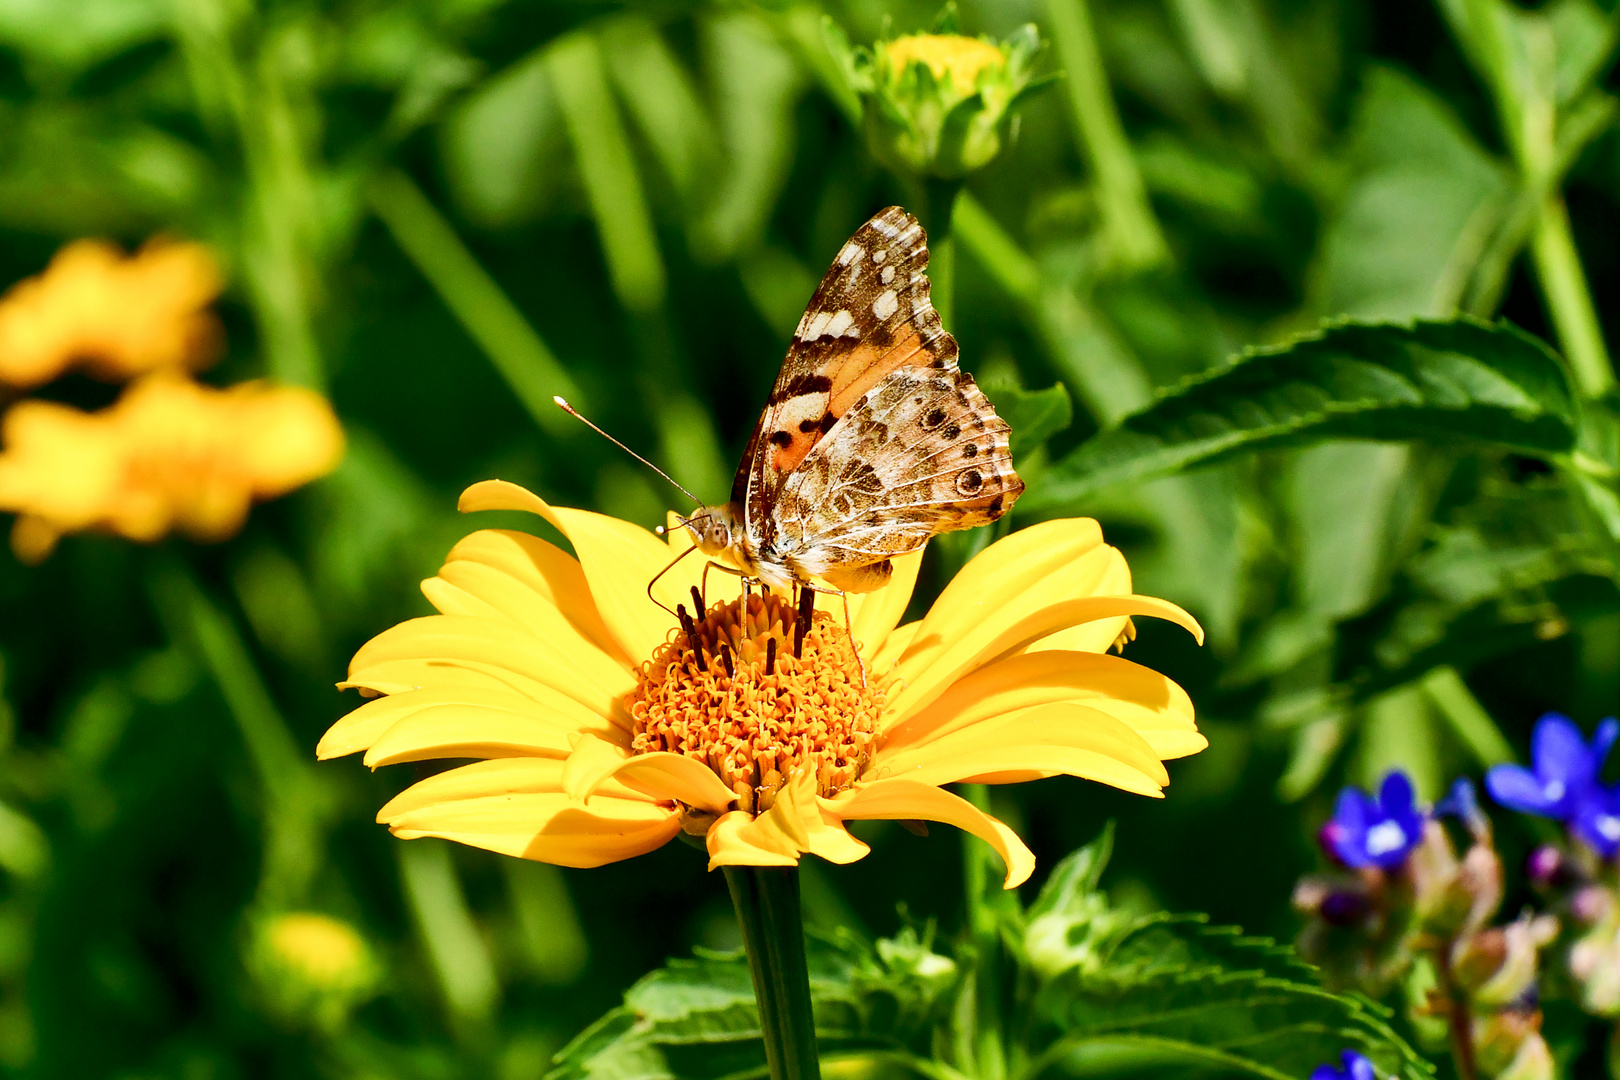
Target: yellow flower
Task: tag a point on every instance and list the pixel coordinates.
(953, 58)
(171, 454)
(311, 967)
(605, 734)
(120, 317)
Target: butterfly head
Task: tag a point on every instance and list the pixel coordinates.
(713, 529)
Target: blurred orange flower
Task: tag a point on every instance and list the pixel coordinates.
(117, 316)
(171, 454)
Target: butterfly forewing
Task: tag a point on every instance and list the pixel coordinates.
(869, 316)
(873, 440)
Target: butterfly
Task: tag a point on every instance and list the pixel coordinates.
(873, 440)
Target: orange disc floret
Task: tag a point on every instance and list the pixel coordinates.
(732, 691)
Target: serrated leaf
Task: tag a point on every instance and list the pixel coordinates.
(696, 1019)
(1196, 993)
(1463, 380)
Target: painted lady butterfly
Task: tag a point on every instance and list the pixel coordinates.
(873, 440)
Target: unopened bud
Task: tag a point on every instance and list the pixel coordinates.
(1518, 947)
(1591, 904)
(1548, 867)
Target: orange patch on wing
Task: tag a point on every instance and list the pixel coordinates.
(865, 366)
(787, 458)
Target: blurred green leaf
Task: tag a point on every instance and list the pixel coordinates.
(754, 84)
(608, 170)
(1488, 385)
(504, 147)
(661, 99)
(1034, 415)
(1422, 204)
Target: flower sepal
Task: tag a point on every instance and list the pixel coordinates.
(937, 105)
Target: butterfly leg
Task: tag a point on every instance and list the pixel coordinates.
(849, 628)
(661, 573)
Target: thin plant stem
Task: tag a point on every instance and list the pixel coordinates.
(983, 894)
(476, 300)
(767, 902)
(292, 799)
(1569, 299)
(1128, 221)
(938, 213)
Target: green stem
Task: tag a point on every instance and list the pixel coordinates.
(984, 895)
(476, 300)
(1569, 300)
(1128, 220)
(938, 213)
(767, 903)
(1467, 717)
(292, 803)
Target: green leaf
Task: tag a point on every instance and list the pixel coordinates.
(1192, 992)
(1034, 415)
(1135, 990)
(1462, 380)
(697, 1018)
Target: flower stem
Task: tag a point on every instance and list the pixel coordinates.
(938, 209)
(1569, 300)
(767, 903)
(984, 926)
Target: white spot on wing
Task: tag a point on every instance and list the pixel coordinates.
(828, 324)
(840, 324)
(849, 253)
(887, 275)
(886, 304)
(880, 254)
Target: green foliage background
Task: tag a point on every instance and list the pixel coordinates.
(442, 213)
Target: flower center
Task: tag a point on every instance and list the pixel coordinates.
(949, 56)
(1385, 837)
(759, 690)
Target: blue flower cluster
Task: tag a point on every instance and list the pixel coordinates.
(1564, 781)
(1354, 1066)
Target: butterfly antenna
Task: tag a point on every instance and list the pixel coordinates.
(571, 411)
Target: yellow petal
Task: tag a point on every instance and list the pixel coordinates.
(1152, 705)
(1045, 740)
(894, 646)
(664, 776)
(496, 778)
(729, 846)
(909, 800)
(1026, 570)
(546, 826)
(831, 841)
(667, 776)
(513, 727)
(425, 653)
(1010, 629)
(619, 560)
(544, 569)
(873, 615)
(590, 763)
(780, 833)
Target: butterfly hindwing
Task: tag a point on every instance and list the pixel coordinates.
(869, 317)
(921, 453)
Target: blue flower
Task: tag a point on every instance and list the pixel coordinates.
(1563, 769)
(1355, 1067)
(1563, 781)
(1368, 832)
(1461, 803)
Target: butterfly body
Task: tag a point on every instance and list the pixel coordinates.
(873, 440)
